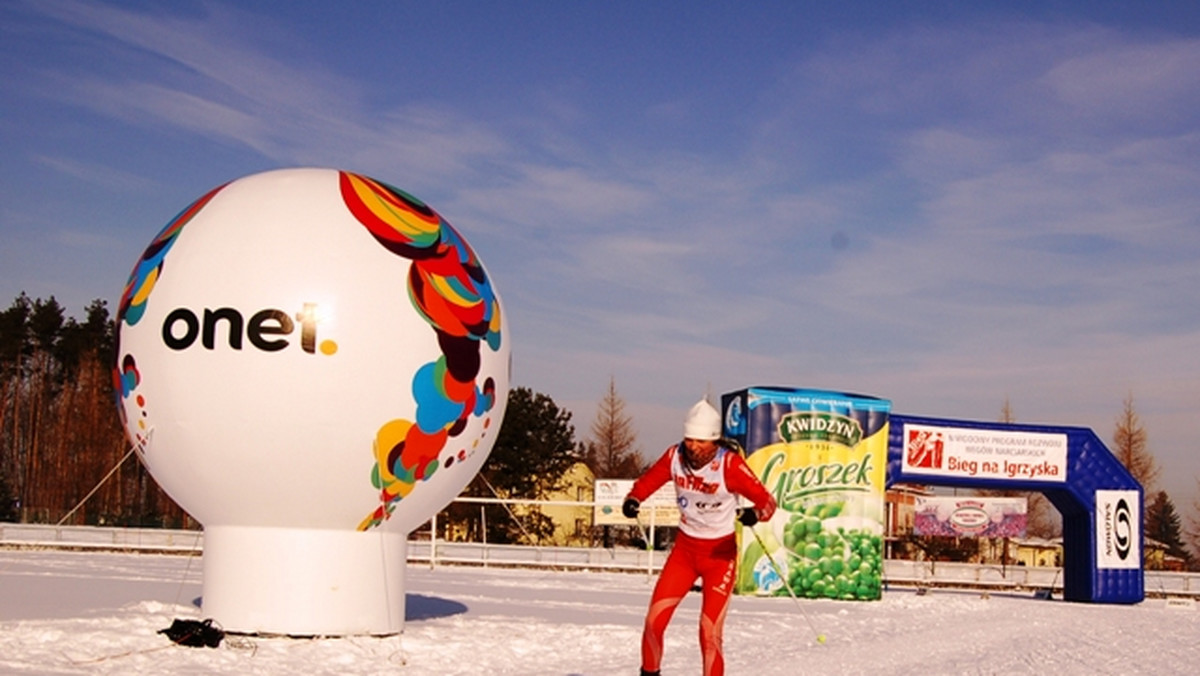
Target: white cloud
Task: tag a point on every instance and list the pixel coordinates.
(110, 178)
(1134, 80)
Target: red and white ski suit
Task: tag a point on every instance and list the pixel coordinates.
(705, 546)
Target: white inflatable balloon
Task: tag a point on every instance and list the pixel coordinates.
(313, 363)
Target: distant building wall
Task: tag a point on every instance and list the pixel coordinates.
(572, 524)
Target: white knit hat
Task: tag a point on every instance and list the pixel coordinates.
(703, 422)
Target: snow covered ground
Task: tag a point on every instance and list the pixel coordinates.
(98, 613)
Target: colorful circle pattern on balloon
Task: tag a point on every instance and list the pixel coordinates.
(450, 289)
(133, 303)
(149, 266)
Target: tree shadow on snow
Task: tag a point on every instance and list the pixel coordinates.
(419, 607)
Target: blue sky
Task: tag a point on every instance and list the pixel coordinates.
(942, 205)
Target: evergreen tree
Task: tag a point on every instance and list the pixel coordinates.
(15, 345)
(93, 338)
(1163, 524)
(46, 320)
(533, 450)
(1194, 531)
(8, 506)
(59, 431)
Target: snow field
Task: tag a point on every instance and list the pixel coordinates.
(99, 613)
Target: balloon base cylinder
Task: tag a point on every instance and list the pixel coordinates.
(304, 582)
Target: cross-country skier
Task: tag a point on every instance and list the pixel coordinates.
(708, 477)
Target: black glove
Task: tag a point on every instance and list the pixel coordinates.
(747, 516)
(630, 508)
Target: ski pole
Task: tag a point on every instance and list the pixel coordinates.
(786, 585)
(737, 448)
(649, 545)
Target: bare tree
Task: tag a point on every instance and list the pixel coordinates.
(1006, 412)
(610, 450)
(1129, 439)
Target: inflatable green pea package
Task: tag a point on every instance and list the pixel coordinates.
(823, 455)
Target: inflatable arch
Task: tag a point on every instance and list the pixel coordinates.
(1100, 502)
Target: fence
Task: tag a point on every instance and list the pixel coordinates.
(101, 538)
(897, 573)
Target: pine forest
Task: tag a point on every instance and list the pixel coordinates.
(61, 439)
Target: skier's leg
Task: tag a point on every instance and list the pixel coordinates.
(674, 582)
(717, 575)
